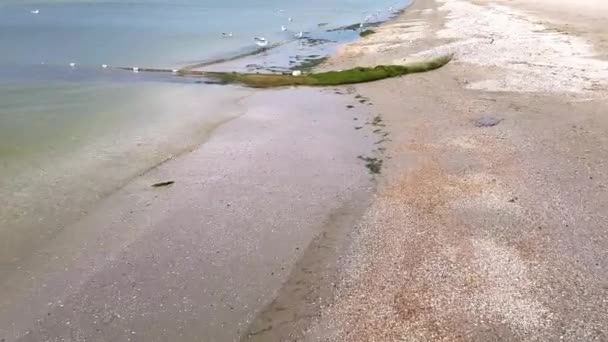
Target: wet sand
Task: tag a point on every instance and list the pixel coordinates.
(199, 258)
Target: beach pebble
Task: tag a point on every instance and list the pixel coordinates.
(296, 73)
(487, 121)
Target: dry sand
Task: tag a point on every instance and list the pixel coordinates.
(483, 233)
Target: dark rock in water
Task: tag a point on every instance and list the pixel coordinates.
(158, 185)
(487, 121)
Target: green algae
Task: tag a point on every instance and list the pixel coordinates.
(366, 33)
(329, 78)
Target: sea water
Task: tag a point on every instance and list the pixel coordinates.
(158, 33)
(71, 131)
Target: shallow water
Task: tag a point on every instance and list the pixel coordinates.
(70, 135)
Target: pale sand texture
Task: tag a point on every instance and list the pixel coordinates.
(567, 9)
(586, 19)
(482, 234)
(526, 53)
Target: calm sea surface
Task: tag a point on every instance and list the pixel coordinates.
(69, 134)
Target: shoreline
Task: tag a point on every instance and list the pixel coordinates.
(75, 281)
(29, 229)
(18, 245)
(467, 234)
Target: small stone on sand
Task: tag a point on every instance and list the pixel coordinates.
(487, 121)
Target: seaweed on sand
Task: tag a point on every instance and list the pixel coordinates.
(330, 78)
(366, 33)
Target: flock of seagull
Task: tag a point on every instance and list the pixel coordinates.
(263, 42)
(259, 41)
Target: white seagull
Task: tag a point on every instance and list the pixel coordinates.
(36, 11)
(227, 35)
(135, 69)
(299, 35)
(72, 65)
(283, 28)
(104, 66)
(260, 41)
(290, 19)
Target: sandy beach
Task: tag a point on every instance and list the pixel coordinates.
(487, 221)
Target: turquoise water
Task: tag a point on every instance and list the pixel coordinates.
(69, 135)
